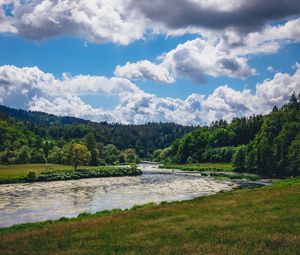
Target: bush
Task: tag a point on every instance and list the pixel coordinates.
(31, 176)
(91, 172)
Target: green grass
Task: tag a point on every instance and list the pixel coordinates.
(257, 221)
(202, 167)
(20, 171)
(48, 172)
(214, 170)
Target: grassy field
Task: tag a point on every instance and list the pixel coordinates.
(257, 221)
(202, 167)
(18, 173)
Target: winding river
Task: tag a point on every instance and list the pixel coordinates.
(30, 202)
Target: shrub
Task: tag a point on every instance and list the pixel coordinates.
(31, 176)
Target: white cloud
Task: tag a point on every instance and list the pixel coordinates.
(144, 70)
(270, 69)
(217, 54)
(276, 91)
(96, 21)
(124, 21)
(44, 92)
(194, 59)
(30, 81)
(5, 23)
(65, 106)
(267, 41)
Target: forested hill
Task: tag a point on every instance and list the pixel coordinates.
(39, 118)
(267, 145)
(42, 132)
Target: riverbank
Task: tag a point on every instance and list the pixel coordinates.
(218, 170)
(223, 167)
(49, 172)
(239, 222)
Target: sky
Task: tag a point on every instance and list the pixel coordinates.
(136, 61)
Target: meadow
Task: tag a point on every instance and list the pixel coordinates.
(252, 221)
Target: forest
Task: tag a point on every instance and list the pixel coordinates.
(266, 145)
(36, 137)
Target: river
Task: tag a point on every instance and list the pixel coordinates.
(31, 202)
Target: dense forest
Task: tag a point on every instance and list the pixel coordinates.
(36, 137)
(266, 145)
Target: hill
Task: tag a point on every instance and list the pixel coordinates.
(267, 145)
(41, 133)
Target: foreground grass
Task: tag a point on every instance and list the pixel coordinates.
(53, 172)
(258, 221)
(201, 167)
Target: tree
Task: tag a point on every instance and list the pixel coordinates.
(130, 156)
(294, 157)
(111, 154)
(91, 144)
(55, 155)
(293, 102)
(23, 155)
(76, 154)
(239, 158)
(156, 155)
(37, 156)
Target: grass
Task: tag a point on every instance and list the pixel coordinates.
(214, 169)
(202, 167)
(257, 221)
(48, 172)
(20, 171)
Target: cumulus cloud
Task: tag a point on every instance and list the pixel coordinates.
(5, 23)
(144, 70)
(194, 59)
(96, 21)
(244, 15)
(267, 41)
(136, 106)
(31, 81)
(124, 21)
(215, 54)
(276, 91)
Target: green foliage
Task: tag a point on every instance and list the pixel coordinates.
(50, 172)
(294, 157)
(56, 155)
(90, 142)
(45, 131)
(76, 154)
(239, 158)
(217, 143)
(265, 145)
(31, 176)
(130, 156)
(274, 151)
(91, 172)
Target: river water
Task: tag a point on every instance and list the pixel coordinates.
(31, 202)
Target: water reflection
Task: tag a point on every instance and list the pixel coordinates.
(20, 203)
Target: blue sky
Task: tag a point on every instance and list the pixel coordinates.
(145, 68)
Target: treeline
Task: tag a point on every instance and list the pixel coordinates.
(266, 145)
(84, 151)
(35, 137)
(216, 143)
